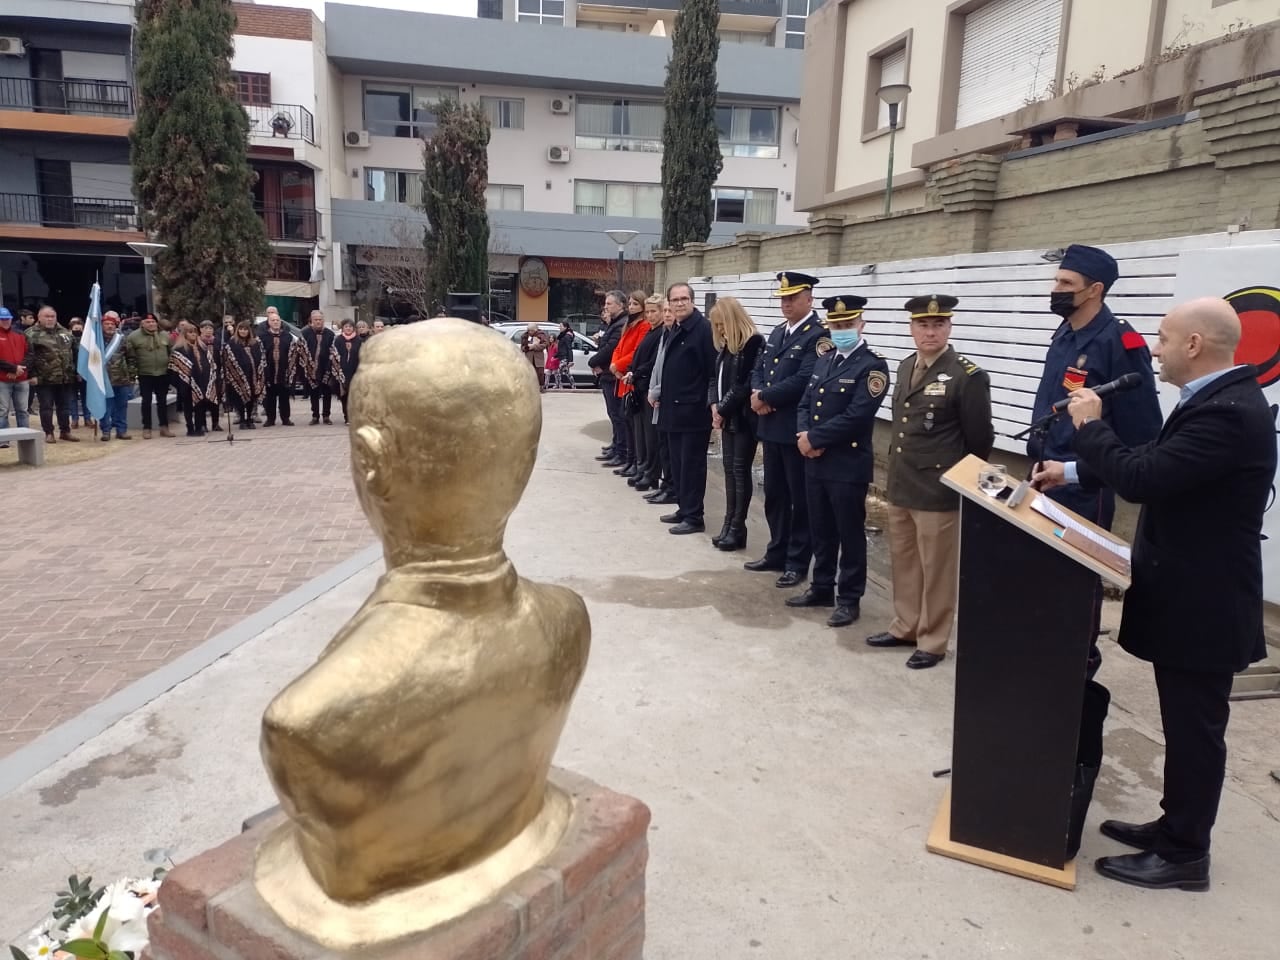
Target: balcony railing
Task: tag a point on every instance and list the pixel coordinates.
(97, 98)
(286, 121)
(95, 213)
(289, 223)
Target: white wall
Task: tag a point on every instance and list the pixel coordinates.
(290, 63)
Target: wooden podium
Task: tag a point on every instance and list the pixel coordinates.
(1024, 618)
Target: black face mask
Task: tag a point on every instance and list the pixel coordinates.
(1063, 303)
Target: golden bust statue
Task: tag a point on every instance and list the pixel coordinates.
(418, 745)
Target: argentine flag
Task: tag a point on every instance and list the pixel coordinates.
(92, 364)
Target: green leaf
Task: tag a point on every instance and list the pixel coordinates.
(88, 949)
(18, 954)
(119, 955)
(101, 925)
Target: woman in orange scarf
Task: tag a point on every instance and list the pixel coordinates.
(632, 334)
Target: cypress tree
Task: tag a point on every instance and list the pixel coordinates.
(691, 158)
(191, 172)
(456, 173)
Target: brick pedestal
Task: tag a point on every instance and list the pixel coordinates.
(585, 902)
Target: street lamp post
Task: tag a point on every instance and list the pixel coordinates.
(892, 94)
(147, 251)
(621, 238)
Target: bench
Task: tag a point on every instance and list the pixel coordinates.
(30, 444)
(134, 415)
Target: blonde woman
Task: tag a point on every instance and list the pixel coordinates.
(738, 345)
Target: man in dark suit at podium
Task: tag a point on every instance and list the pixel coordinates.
(1194, 609)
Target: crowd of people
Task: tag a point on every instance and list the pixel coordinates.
(233, 369)
(809, 393)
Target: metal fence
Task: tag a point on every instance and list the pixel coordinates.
(98, 213)
(287, 121)
(102, 98)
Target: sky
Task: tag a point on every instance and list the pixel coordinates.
(457, 8)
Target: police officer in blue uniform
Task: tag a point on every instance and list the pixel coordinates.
(1090, 348)
(781, 375)
(834, 425)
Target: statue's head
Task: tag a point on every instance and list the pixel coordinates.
(445, 420)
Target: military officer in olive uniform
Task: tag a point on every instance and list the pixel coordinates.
(53, 371)
(779, 380)
(941, 414)
(834, 425)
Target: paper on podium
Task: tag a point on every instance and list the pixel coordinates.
(1111, 552)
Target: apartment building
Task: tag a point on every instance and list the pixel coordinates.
(997, 75)
(66, 198)
(577, 120)
(767, 23)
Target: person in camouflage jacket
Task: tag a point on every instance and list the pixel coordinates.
(53, 371)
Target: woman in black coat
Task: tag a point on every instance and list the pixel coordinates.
(739, 348)
(648, 462)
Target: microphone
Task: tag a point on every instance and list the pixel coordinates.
(1127, 382)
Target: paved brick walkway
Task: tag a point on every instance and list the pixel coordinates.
(117, 566)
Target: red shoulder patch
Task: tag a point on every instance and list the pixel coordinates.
(1132, 340)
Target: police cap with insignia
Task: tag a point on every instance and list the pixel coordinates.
(790, 282)
(843, 307)
(931, 305)
(1096, 266)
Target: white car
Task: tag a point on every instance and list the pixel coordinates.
(583, 348)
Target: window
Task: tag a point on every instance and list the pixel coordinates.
(1009, 56)
(743, 36)
(619, 124)
(500, 196)
(550, 12)
(736, 205)
(888, 63)
(393, 186)
(253, 89)
(604, 25)
(400, 110)
(504, 114)
(489, 9)
(797, 16)
(748, 131)
(593, 198)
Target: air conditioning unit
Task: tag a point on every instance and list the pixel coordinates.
(357, 138)
(561, 105)
(558, 154)
(12, 47)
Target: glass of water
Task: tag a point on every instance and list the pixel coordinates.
(992, 478)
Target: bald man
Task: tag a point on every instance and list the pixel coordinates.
(1194, 610)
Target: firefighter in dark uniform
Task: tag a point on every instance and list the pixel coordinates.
(834, 426)
(781, 375)
(941, 414)
(1090, 348)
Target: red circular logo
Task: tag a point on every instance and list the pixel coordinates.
(1259, 312)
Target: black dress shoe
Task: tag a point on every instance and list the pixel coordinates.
(844, 614)
(887, 639)
(1140, 835)
(613, 462)
(653, 497)
(684, 527)
(605, 456)
(671, 518)
(628, 471)
(813, 597)
(921, 660)
(1154, 872)
(789, 578)
(667, 497)
(286, 423)
(763, 565)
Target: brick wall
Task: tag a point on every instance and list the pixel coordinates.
(282, 23)
(1197, 177)
(584, 902)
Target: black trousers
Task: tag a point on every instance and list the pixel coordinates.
(277, 402)
(157, 387)
(785, 507)
(1098, 506)
(187, 404)
(651, 462)
(665, 481)
(55, 397)
(639, 441)
(342, 398)
(838, 513)
(613, 407)
(738, 452)
(689, 472)
(1194, 709)
(321, 398)
(204, 410)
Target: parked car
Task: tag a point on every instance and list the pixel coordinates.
(582, 347)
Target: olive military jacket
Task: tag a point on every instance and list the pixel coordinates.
(149, 352)
(52, 355)
(937, 423)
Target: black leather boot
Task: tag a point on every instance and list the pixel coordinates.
(724, 532)
(736, 539)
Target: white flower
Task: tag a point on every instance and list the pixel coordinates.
(41, 946)
(126, 926)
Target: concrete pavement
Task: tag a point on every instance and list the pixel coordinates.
(787, 765)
